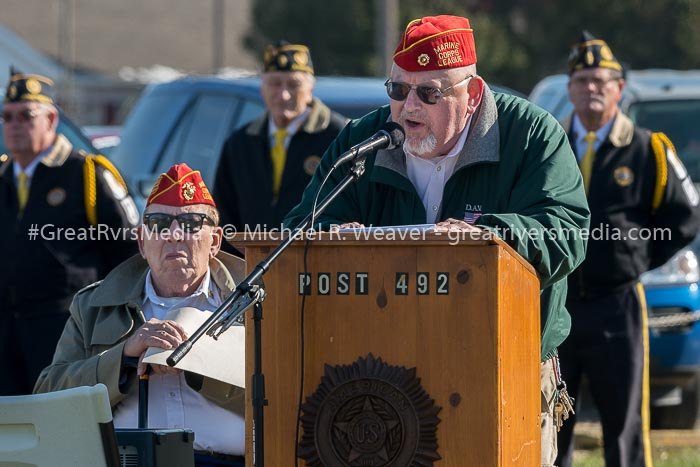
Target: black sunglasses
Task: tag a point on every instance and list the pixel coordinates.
(398, 90)
(23, 116)
(190, 222)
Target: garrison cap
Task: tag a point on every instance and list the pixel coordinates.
(29, 88)
(283, 56)
(436, 43)
(590, 52)
(180, 186)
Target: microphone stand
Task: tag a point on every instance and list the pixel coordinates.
(249, 292)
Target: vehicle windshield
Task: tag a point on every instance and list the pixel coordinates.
(679, 120)
(146, 131)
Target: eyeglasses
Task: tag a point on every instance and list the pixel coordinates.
(582, 81)
(190, 222)
(399, 91)
(23, 116)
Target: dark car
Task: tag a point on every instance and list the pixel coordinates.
(188, 120)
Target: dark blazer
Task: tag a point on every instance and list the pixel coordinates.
(39, 275)
(637, 182)
(243, 183)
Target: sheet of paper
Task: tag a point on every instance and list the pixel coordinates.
(222, 359)
(390, 228)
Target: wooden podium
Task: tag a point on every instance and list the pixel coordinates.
(464, 314)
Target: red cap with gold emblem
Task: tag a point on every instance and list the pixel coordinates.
(180, 186)
(436, 43)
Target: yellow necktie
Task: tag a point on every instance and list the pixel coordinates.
(279, 155)
(22, 190)
(586, 163)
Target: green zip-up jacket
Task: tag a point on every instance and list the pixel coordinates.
(516, 176)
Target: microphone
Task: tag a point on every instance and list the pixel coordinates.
(390, 136)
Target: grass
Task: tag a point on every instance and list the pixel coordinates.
(663, 457)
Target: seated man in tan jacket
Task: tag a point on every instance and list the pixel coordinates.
(120, 317)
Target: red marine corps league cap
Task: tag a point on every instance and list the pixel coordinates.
(436, 43)
(180, 186)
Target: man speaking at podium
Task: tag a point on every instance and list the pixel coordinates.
(122, 316)
(472, 160)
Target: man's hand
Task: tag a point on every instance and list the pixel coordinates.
(347, 225)
(455, 225)
(155, 333)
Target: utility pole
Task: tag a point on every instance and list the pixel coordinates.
(66, 53)
(386, 33)
(217, 28)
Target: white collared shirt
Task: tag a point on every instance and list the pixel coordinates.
(292, 128)
(429, 176)
(29, 170)
(172, 403)
(580, 134)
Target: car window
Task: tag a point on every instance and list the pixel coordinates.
(74, 135)
(146, 131)
(679, 120)
(199, 135)
(350, 110)
(552, 95)
(250, 110)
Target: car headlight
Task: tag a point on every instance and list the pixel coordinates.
(681, 269)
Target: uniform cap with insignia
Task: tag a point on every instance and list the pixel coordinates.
(29, 88)
(436, 43)
(283, 56)
(590, 52)
(180, 186)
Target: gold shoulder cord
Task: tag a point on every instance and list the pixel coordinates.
(90, 189)
(90, 178)
(659, 143)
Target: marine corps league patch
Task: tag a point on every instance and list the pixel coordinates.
(369, 413)
(188, 191)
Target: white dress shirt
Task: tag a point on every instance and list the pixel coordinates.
(580, 134)
(292, 128)
(29, 170)
(429, 176)
(171, 402)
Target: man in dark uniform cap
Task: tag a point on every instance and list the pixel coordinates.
(634, 181)
(59, 211)
(266, 165)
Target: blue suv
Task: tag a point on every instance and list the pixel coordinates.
(668, 101)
